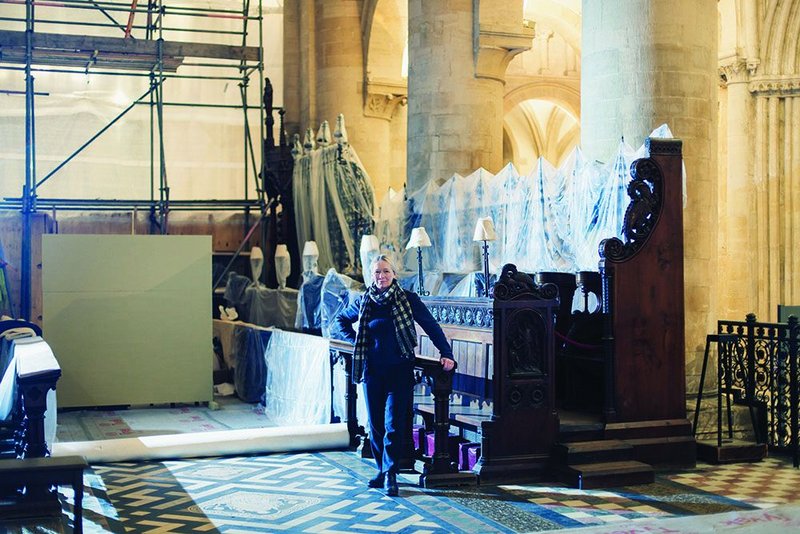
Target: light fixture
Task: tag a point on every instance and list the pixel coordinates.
(419, 238)
(484, 231)
(310, 257)
(283, 265)
(256, 263)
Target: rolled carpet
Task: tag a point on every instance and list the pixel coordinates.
(219, 443)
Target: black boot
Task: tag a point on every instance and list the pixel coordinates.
(391, 485)
(376, 482)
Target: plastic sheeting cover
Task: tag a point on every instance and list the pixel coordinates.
(298, 380)
(338, 290)
(309, 302)
(334, 204)
(550, 220)
(250, 370)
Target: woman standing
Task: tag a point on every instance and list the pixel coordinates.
(384, 360)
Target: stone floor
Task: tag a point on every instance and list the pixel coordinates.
(326, 492)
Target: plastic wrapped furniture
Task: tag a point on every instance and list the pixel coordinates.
(338, 291)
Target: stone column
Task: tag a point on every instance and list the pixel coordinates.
(291, 67)
(648, 62)
(299, 78)
(740, 282)
(455, 88)
(774, 246)
(324, 77)
(341, 87)
(387, 100)
(384, 111)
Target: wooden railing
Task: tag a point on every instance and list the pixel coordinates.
(440, 466)
(26, 462)
(35, 377)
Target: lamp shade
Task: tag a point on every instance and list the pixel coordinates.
(256, 253)
(370, 249)
(281, 251)
(369, 242)
(256, 262)
(283, 265)
(310, 249)
(484, 230)
(419, 238)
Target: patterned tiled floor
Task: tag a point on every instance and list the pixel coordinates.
(326, 492)
(765, 484)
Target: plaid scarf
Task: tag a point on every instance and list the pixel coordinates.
(402, 318)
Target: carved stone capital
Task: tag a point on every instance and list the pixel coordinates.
(383, 97)
(733, 71)
(775, 85)
(495, 50)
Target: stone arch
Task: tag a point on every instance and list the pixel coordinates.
(562, 16)
(538, 128)
(529, 138)
(562, 94)
(384, 27)
(779, 45)
(384, 34)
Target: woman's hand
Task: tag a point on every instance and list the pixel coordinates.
(447, 363)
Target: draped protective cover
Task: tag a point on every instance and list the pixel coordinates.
(334, 204)
(553, 219)
(550, 220)
(308, 318)
(260, 305)
(298, 389)
(338, 290)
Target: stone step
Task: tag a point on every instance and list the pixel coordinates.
(649, 429)
(584, 452)
(607, 474)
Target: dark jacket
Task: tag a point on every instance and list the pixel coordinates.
(383, 349)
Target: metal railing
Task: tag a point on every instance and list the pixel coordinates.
(761, 372)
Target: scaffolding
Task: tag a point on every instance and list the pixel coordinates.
(138, 46)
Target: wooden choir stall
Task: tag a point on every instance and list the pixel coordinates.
(595, 398)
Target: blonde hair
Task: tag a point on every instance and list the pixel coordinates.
(382, 257)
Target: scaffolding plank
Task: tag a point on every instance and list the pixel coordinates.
(73, 59)
(12, 47)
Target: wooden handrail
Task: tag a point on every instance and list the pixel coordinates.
(442, 385)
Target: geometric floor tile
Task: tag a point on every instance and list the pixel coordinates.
(327, 492)
(764, 484)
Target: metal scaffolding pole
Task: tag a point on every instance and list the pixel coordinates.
(163, 205)
(36, 60)
(243, 92)
(29, 189)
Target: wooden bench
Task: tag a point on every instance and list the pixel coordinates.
(468, 324)
(504, 350)
(38, 474)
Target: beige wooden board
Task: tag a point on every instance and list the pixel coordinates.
(129, 318)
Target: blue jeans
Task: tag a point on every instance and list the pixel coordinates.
(388, 394)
